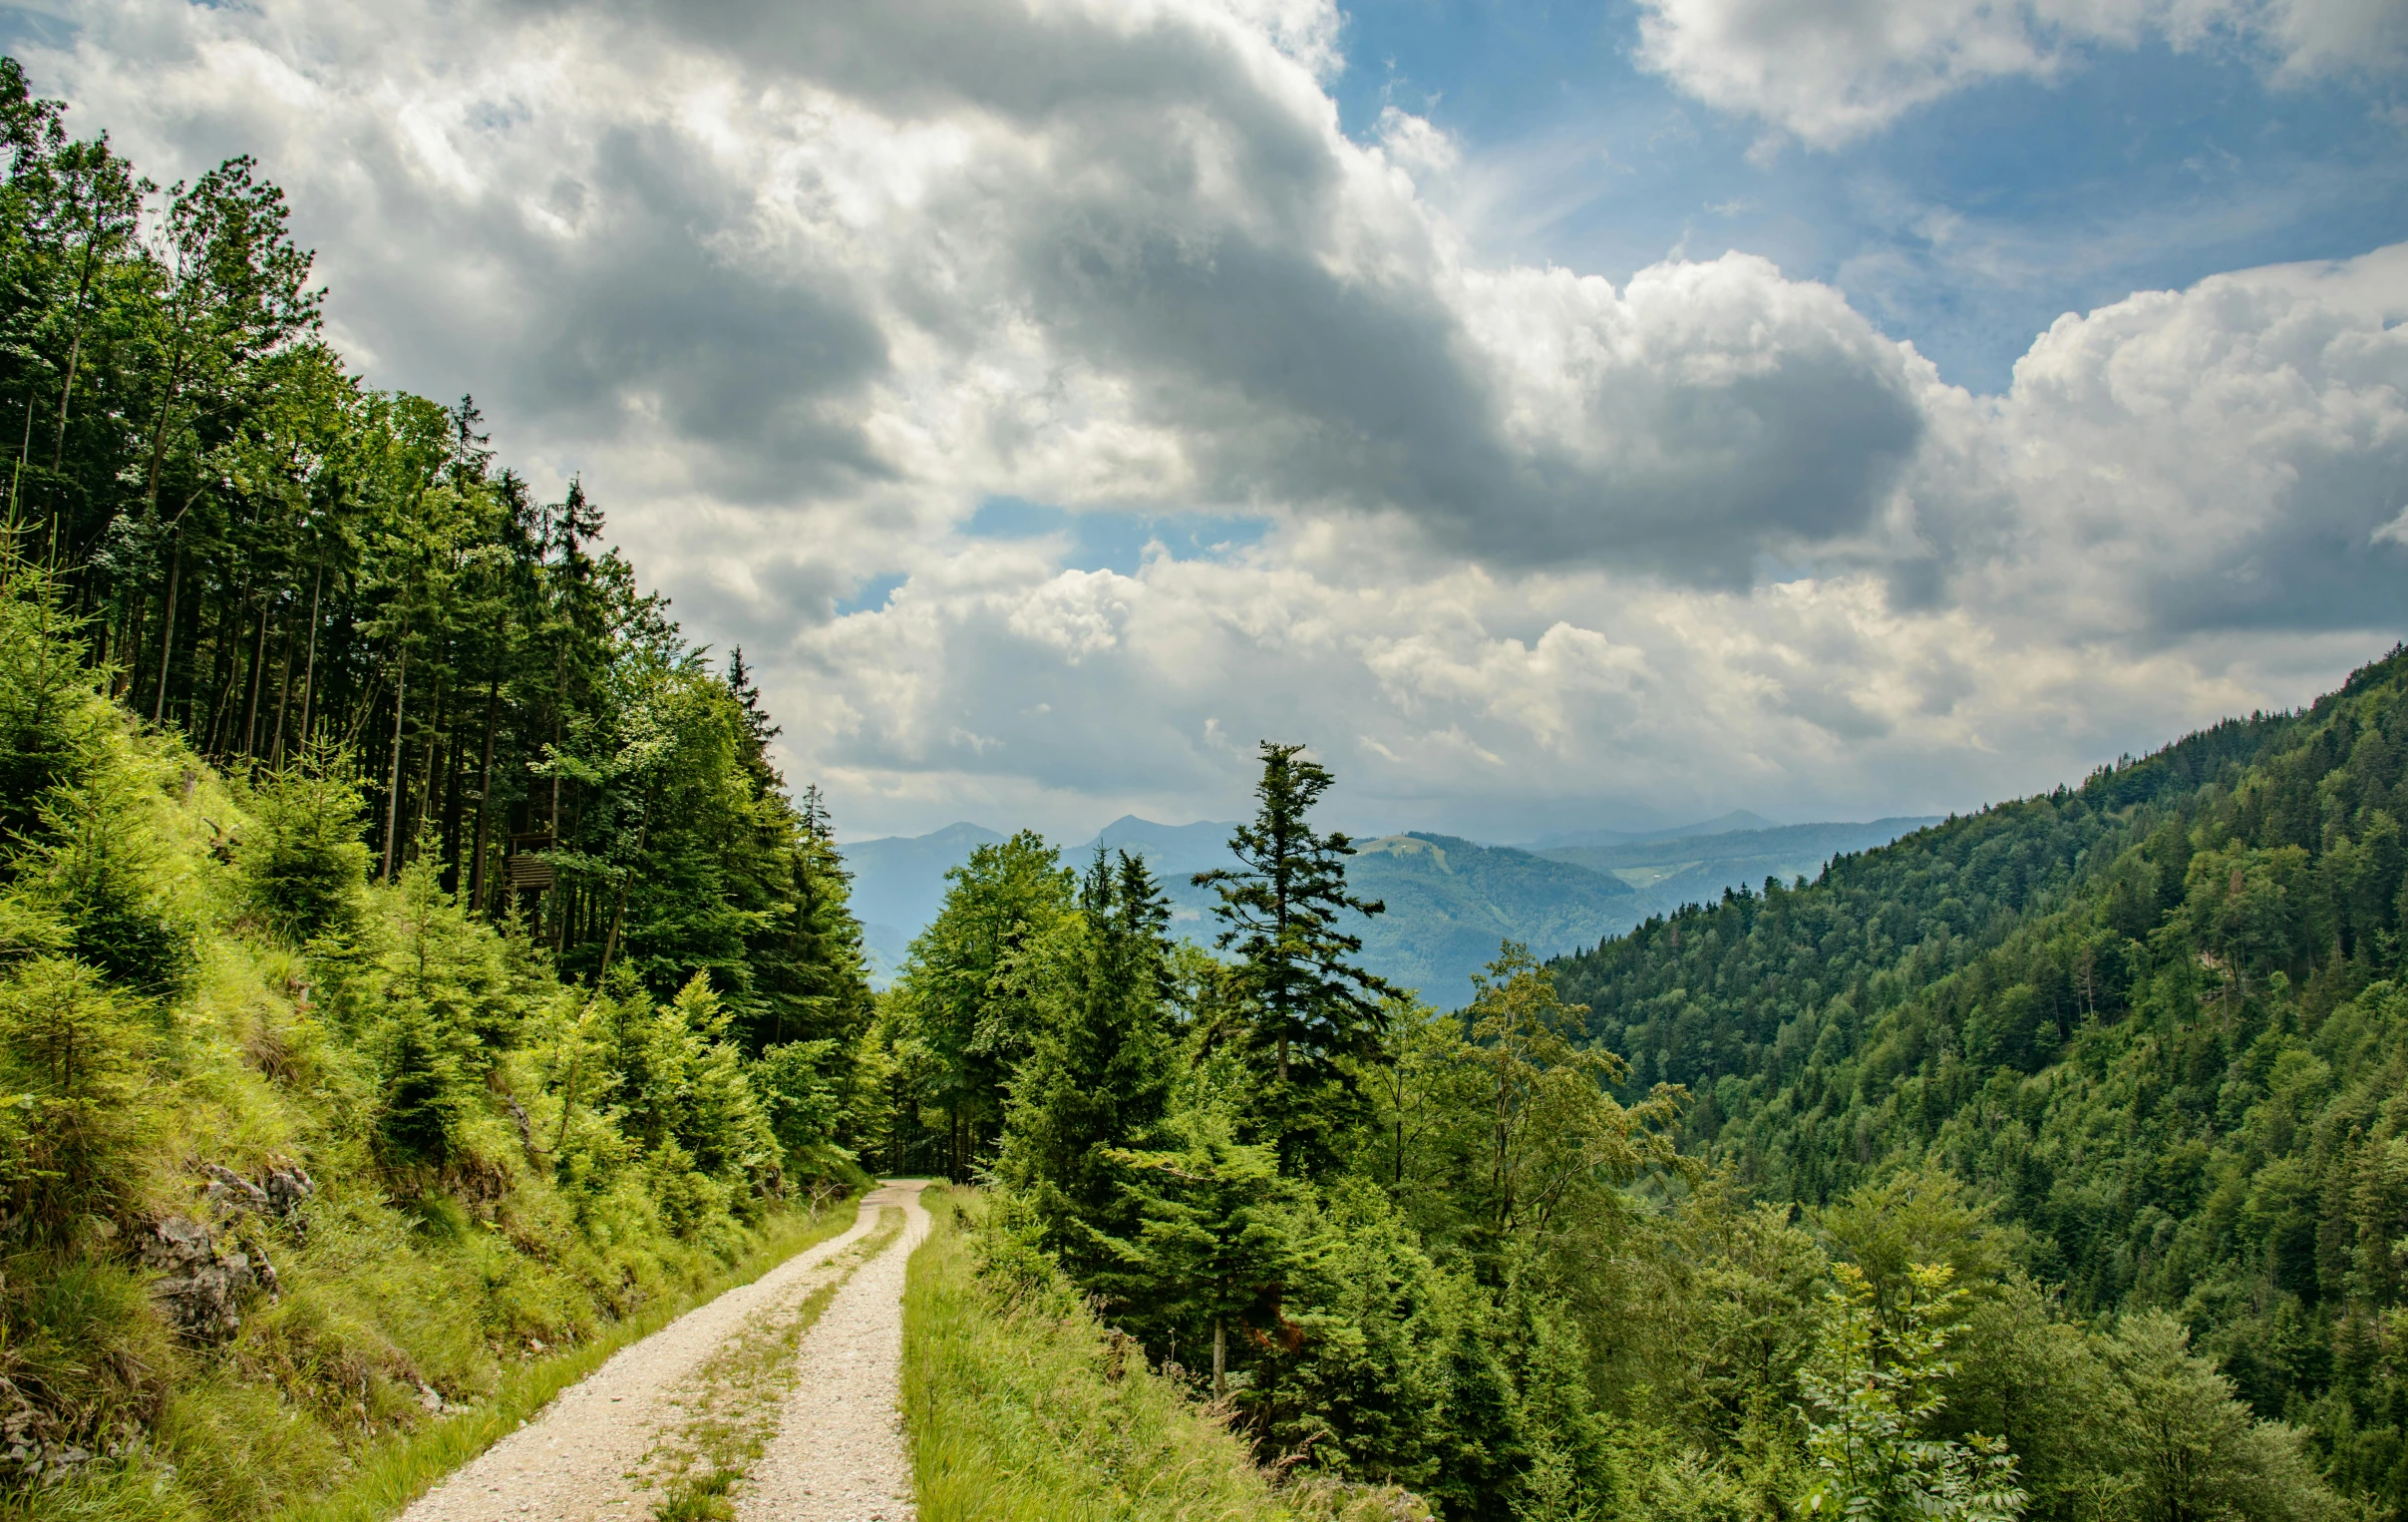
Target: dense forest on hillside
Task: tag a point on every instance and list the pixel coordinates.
(2037, 1165)
(2154, 1023)
(411, 962)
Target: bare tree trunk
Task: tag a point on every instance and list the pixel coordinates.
(74, 348)
(1220, 1359)
(276, 748)
(309, 671)
(559, 681)
(484, 787)
(250, 707)
(422, 805)
(401, 689)
(24, 447)
(166, 633)
(229, 654)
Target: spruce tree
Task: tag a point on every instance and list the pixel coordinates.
(1100, 1079)
(1312, 1009)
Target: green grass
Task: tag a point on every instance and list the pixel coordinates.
(389, 1476)
(1021, 1409)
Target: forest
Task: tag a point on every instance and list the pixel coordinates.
(415, 971)
(411, 963)
(2045, 1163)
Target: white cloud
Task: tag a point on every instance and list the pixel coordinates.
(1833, 70)
(797, 289)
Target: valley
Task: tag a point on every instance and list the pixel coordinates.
(1448, 900)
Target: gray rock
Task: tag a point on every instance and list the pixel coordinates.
(201, 1286)
(280, 1193)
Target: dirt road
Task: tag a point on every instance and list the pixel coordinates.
(838, 1453)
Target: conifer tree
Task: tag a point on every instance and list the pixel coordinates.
(1098, 1080)
(1312, 1008)
(980, 978)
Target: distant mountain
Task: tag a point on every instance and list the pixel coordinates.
(1735, 820)
(1695, 869)
(898, 884)
(1175, 852)
(1450, 902)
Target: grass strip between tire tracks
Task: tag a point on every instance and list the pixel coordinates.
(733, 1400)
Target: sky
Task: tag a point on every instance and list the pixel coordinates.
(1556, 416)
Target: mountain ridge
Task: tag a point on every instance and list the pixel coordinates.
(1450, 899)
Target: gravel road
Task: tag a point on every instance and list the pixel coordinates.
(838, 1455)
(573, 1461)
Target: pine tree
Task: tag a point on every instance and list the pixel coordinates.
(1214, 1243)
(1312, 1008)
(1100, 1079)
(980, 979)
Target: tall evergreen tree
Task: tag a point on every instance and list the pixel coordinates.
(980, 978)
(1312, 1008)
(1099, 1079)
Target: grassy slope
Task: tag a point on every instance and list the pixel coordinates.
(1021, 1409)
(492, 1286)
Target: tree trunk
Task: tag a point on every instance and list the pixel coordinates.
(276, 748)
(129, 642)
(485, 786)
(166, 407)
(559, 684)
(1220, 1359)
(309, 669)
(401, 691)
(251, 708)
(422, 806)
(228, 654)
(166, 633)
(451, 809)
(75, 349)
(24, 449)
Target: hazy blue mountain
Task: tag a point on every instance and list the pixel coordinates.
(1667, 873)
(1450, 902)
(898, 883)
(1175, 852)
(1735, 820)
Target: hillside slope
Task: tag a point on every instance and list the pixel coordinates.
(2153, 1019)
(292, 1163)
(1670, 871)
(1450, 902)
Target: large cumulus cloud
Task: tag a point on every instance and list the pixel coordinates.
(801, 248)
(799, 288)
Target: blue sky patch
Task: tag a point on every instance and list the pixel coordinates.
(870, 597)
(1113, 541)
(1967, 225)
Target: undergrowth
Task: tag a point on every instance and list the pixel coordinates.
(1021, 1408)
(396, 1472)
(421, 1300)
